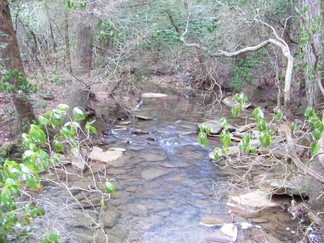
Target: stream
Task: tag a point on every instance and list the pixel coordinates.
(167, 188)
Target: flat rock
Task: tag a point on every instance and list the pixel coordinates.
(261, 236)
(154, 95)
(145, 118)
(139, 132)
(176, 165)
(110, 156)
(251, 202)
(211, 221)
(283, 187)
(153, 173)
(214, 126)
(152, 156)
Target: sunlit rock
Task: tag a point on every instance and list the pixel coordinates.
(211, 221)
(111, 156)
(145, 118)
(230, 230)
(251, 203)
(153, 95)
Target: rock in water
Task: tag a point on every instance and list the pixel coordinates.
(214, 126)
(110, 156)
(153, 173)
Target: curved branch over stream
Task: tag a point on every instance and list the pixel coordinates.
(277, 42)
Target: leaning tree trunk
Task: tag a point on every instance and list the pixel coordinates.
(11, 58)
(312, 49)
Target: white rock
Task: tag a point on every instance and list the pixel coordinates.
(153, 95)
(106, 156)
(230, 230)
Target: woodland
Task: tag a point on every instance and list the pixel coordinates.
(61, 60)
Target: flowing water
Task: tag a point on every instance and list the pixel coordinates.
(167, 188)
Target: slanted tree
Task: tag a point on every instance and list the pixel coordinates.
(16, 78)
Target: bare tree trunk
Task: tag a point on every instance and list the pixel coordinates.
(84, 45)
(312, 49)
(51, 32)
(12, 61)
(67, 41)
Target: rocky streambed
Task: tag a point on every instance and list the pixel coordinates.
(167, 189)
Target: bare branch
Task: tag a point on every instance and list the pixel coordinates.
(277, 42)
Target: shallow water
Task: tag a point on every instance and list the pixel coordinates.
(166, 185)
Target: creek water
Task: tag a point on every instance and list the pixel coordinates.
(167, 188)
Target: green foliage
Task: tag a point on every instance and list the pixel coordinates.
(110, 187)
(202, 135)
(40, 153)
(317, 128)
(50, 238)
(75, 4)
(240, 100)
(14, 82)
(243, 70)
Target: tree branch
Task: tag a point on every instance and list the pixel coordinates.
(277, 42)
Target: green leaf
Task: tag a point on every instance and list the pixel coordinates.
(265, 138)
(58, 145)
(261, 125)
(253, 150)
(314, 148)
(56, 158)
(216, 154)
(235, 111)
(50, 238)
(32, 183)
(245, 143)
(10, 181)
(43, 121)
(258, 114)
(63, 107)
(90, 129)
(309, 112)
(202, 138)
(223, 122)
(37, 134)
(78, 114)
(293, 127)
(280, 115)
(225, 138)
(109, 187)
(317, 133)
